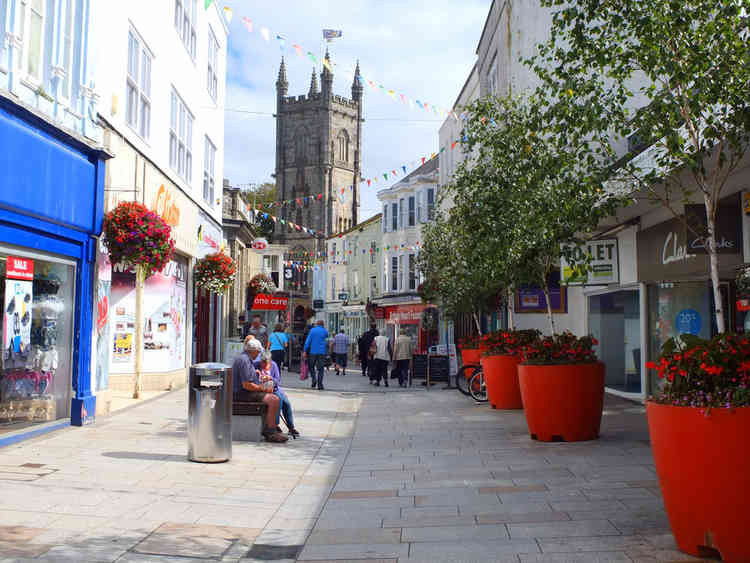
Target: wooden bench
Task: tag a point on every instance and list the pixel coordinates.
(248, 419)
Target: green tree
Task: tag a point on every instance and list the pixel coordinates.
(529, 189)
(264, 194)
(674, 74)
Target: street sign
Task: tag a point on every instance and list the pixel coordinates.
(318, 304)
(343, 296)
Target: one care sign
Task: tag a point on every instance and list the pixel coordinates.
(594, 263)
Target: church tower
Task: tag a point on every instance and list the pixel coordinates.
(318, 151)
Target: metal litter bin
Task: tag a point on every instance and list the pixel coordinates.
(210, 413)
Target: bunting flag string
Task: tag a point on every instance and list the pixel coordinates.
(292, 226)
(349, 70)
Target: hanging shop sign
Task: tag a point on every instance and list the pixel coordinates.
(404, 314)
(260, 244)
(318, 304)
(595, 263)
(208, 236)
(266, 302)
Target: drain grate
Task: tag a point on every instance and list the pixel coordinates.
(274, 552)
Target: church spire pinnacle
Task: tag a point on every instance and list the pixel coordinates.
(357, 87)
(326, 77)
(282, 85)
(313, 83)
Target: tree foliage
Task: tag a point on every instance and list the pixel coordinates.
(526, 191)
(673, 76)
(264, 194)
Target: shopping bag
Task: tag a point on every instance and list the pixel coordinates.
(303, 369)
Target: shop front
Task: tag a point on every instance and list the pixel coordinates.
(51, 208)
(674, 266)
(408, 318)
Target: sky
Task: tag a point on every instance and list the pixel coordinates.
(422, 49)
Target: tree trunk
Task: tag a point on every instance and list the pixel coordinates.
(477, 323)
(550, 316)
(138, 344)
(511, 307)
(714, 264)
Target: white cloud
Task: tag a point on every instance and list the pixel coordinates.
(422, 49)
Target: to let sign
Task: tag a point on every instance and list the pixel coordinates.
(595, 263)
(19, 268)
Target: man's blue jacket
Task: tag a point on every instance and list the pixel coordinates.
(317, 341)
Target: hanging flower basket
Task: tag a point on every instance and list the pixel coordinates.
(430, 319)
(215, 272)
(259, 283)
(137, 237)
(743, 282)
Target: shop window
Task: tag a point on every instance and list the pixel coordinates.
(37, 296)
(31, 25)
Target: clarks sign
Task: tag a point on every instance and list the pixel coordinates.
(670, 251)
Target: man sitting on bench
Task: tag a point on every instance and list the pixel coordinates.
(246, 387)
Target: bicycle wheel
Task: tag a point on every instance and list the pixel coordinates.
(464, 375)
(478, 387)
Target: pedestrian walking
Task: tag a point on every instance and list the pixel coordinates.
(278, 343)
(382, 357)
(402, 356)
(315, 351)
(340, 351)
(363, 345)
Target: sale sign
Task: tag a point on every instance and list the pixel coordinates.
(19, 268)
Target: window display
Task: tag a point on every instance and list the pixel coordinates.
(37, 332)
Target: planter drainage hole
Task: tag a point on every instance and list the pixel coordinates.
(706, 552)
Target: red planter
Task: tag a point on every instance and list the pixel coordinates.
(470, 356)
(563, 402)
(703, 463)
(501, 377)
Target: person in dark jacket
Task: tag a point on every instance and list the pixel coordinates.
(364, 343)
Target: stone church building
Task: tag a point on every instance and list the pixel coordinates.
(318, 151)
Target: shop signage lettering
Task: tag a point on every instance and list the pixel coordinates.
(701, 243)
(266, 302)
(672, 251)
(405, 314)
(728, 228)
(595, 263)
(165, 204)
(19, 268)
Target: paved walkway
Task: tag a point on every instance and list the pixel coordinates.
(387, 477)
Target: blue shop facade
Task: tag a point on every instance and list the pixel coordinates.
(51, 210)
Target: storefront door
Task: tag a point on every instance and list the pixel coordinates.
(615, 321)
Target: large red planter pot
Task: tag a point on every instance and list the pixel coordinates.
(703, 463)
(563, 402)
(501, 378)
(470, 356)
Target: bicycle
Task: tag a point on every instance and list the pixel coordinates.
(472, 384)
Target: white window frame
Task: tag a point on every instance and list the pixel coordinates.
(138, 87)
(333, 287)
(412, 272)
(185, 16)
(373, 252)
(492, 84)
(25, 10)
(209, 171)
(401, 213)
(355, 283)
(420, 214)
(401, 272)
(213, 65)
(373, 286)
(394, 273)
(394, 216)
(430, 206)
(68, 39)
(181, 138)
(385, 217)
(412, 211)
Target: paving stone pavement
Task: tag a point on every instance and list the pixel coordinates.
(376, 477)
